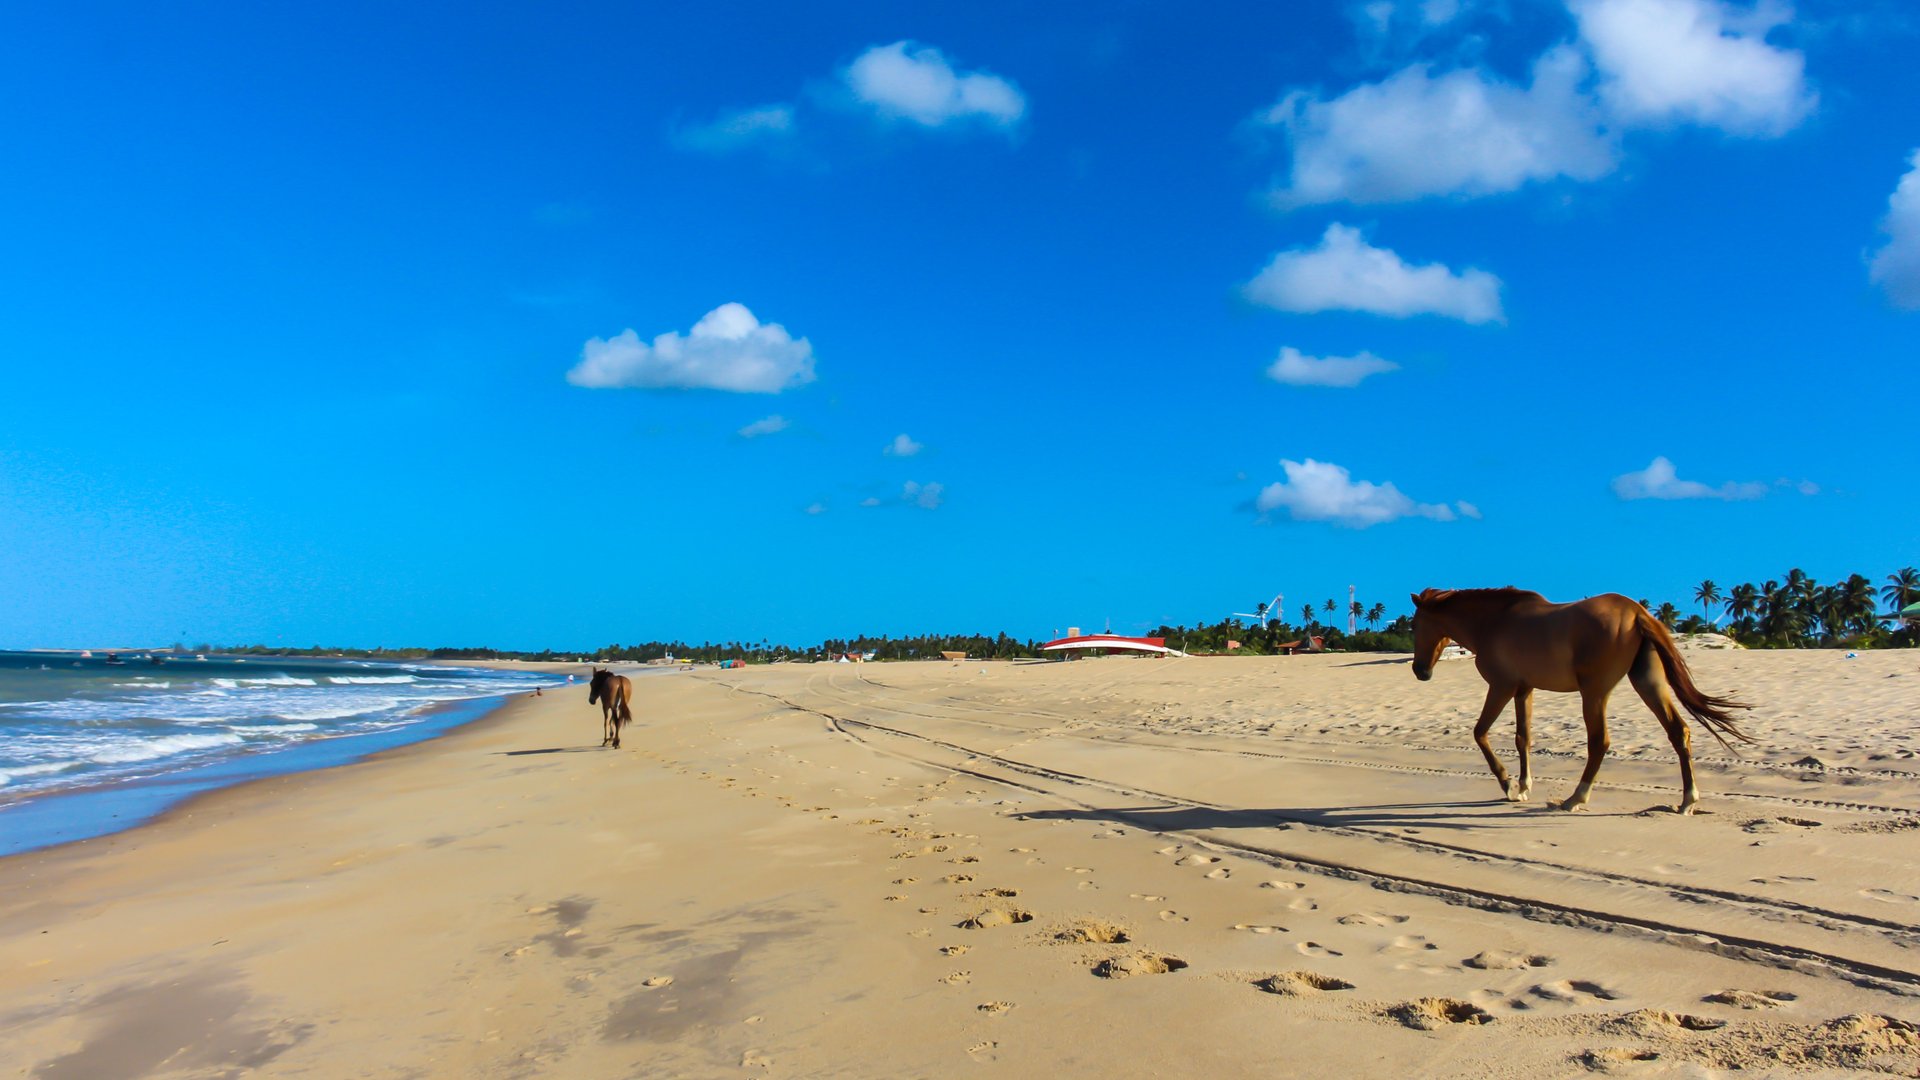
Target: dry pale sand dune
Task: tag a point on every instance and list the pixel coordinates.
(1246, 866)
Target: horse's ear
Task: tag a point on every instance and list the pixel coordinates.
(1416, 598)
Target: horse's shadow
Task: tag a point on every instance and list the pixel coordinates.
(553, 750)
(1426, 815)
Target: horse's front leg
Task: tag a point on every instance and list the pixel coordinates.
(1498, 694)
(1593, 709)
(606, 725)
(1522, 788)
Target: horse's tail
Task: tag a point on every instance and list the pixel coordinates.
(625, 715)
(1711, 712)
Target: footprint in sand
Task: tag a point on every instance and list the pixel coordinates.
(993, 917)
(1888, 896)
(956, 879)
(1286, 885)
(1752, 999)
(1658, 1023)
(1501, 960)
(1301, 903)
(1370, 918)
(657, 981)
(1171, 915)
(1314, 948)
(1219, 873)
(1260, 928)
(1093, 932)
(895, 898)
(1195, 859)
(1427, 1014)
(1301, 984)
(1409, 943)
(1567, 991)
(904, 880)
(957, 978)
(999, 891)
(1610, 1058)
(1123, 967)
(954, 950)
(994, 1008)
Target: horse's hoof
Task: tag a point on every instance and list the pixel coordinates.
(1685, 809)
(1570, 806)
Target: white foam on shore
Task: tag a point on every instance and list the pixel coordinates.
(163, 746)
(370, 680)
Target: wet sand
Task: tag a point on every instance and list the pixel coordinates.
(1245, 866)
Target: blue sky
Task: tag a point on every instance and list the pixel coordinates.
(372, 328)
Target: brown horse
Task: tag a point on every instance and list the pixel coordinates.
(614, 693)
(1522, 643)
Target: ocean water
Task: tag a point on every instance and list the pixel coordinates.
(138, 735)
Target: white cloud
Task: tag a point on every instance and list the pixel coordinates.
(728, 349)
(737, 129)
(924, 496)
(817, 509)
(1467, 132)
(772, 425)
(902, 446)
(1464, 132)
(916, 83)
(1467, 510)
(1660, 481)
(1695, 61)
(1896, 267)
(871, 500)
(1296, 368)
(1323, 491)
(1345, 273)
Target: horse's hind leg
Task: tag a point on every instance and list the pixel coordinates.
(1522, 788)
(1650, 681)
(1593, 709)
(1498, 694)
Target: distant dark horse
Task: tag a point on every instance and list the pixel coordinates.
(1522, 643)
(614, 693)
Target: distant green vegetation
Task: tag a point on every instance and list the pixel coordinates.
(1794, 613)
(1800, 613)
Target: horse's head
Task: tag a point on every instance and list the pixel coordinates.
(593, 685)
(1428, 637)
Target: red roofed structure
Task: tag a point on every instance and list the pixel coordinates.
(1156, 646)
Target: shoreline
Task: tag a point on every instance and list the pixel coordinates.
(1114, 868)
(41, 820)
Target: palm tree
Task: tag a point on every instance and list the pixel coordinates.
(1667, 614)
(1706, 594)
(1901, 589)
(1742, 602)
(1375, 614)
(1857, 602)
(1306, 617)
(1330, 606)
(1261, 613)
(1357, 610)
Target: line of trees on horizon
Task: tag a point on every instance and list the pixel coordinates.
(1793, 612)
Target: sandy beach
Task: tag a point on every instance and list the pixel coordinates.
(1223, 867)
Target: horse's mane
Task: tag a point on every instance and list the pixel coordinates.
(1504, 595)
